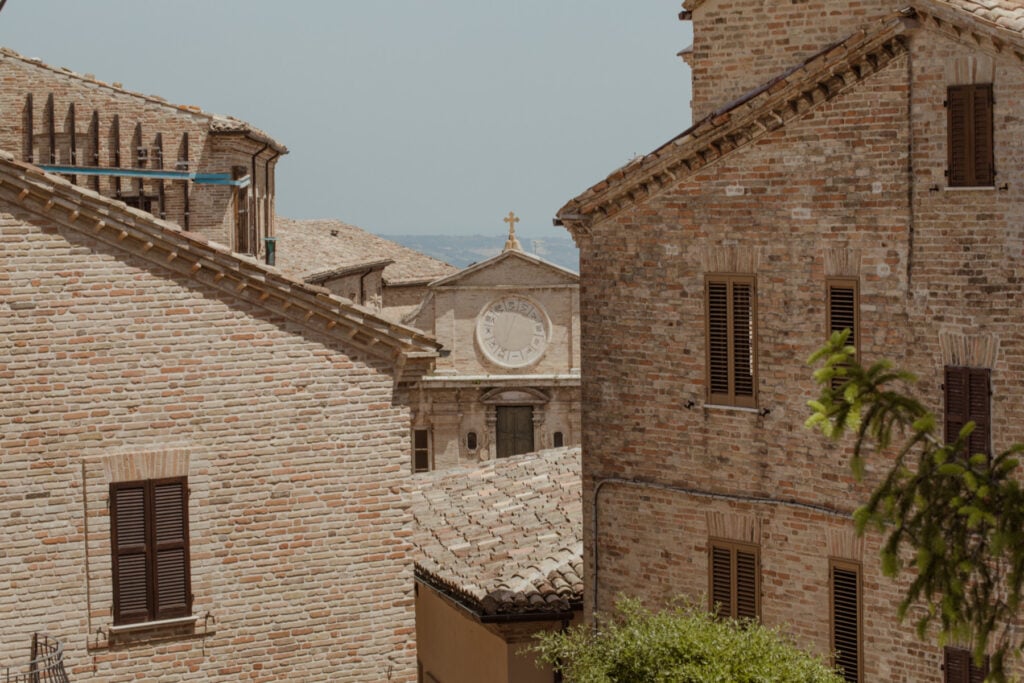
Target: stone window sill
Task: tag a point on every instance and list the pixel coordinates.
(182, 628)
(979, 188)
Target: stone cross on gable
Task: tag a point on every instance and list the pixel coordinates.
(512, 242)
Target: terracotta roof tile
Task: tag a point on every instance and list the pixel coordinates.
(506, 537)
(309, 247)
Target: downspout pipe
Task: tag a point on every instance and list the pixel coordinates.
(255, 200)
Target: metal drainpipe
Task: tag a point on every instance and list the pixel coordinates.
(266, 193)
(255, 197)
(763, 500)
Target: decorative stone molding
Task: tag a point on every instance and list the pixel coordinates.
(730, 259)
(842, 262)
(135, 466)
(734, 527)
(968, 350)
(844, 544)
(971, 69)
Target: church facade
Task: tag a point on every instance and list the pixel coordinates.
(507, 381)
(854, 164)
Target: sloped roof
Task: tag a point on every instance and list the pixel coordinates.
(310, 247)
(818, 79)
(218, 122)
(189, 254)
(505, 537)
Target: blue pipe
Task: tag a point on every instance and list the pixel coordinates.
(199, 178)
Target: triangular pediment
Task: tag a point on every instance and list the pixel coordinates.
(510, 267)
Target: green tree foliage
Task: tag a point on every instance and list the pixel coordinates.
(953, 521)
(685, 644)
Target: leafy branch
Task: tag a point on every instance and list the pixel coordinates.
(954, 520)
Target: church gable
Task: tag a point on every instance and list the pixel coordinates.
(508, 268)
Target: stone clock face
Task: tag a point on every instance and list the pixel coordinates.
(512, 331)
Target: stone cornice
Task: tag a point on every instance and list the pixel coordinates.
(192, 256)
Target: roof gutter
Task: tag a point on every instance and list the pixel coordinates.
(519, 617)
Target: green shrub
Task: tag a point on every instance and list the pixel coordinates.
(684, 644)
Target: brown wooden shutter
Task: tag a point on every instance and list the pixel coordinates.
(129, 551)
(969, 135)
(746, 584)
(846, 636)
(842, 307)
(721, 580)
(734, 579)
(718, 338)
(958, 666)
(171, 581)
(958, 141)
(984, 166)
(743, 340)
(955, 663)
(967, 392)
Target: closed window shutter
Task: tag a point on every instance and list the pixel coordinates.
(846, 621)
(734, 580)
(956, 381)
(721, 580)
(978, 391)
(746, 585)
(171, 563)
(984, 167)
(843, 304)
(718, 338)
(130, 561)
(958, 666)
(969, 135)
(967, 393)
(957, 113)
(731, 320)
(743, 339)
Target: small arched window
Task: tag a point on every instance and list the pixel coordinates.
(471, 441)
(558, 439)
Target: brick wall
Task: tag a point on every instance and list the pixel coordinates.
(139, 121)
(296, 452)
(855, 185)
(741, 44)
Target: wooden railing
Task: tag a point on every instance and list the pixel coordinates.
(46, 663)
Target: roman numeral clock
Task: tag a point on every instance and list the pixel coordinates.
(513, 331)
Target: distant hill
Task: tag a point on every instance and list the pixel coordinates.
(463, 250)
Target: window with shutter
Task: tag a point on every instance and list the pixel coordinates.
(969, 132)
(150, 550)
(734, 579)
(959, 667)
(845, 619)
(420, 450)
(967, 392)
(842, 302)
(730, 320)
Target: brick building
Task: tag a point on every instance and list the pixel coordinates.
(202, 460)
(853, 164)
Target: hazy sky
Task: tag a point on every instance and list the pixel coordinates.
(402, 116)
